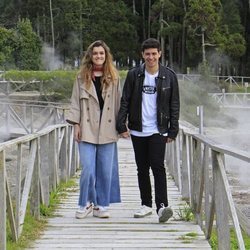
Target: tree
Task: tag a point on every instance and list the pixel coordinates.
(6, 48)
(203, 20)
(112, 22)
(218, 28)
(28, 46)
(166, 15)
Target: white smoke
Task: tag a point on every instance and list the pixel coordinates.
(50, 60)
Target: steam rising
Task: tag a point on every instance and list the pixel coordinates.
(50, 60)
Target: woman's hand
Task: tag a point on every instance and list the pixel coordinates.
(125, 134)
(169, 140)
(77, 132)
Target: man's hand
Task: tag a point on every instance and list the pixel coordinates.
(77, 132)
(125, 135)
(168, 140)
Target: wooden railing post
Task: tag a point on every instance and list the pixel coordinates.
(35, 186)
(3, 202)
(63, 162)
(45, 168)
(221, 207)
(185, 168)
(53, 160)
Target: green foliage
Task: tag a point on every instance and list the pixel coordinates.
(185, 213)
(28, 46)
(6, 47)
(203, 14)
(235, 45)
(189, 237)
(113, 23)
(57, 85)
(124, 24)
(55, 198)
(231, 16)
(33, 228)
(233, 240)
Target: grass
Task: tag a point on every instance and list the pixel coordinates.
(189, 237)
(185, 213)
(33, 228)
(233, 240)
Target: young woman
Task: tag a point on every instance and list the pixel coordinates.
(94, 107)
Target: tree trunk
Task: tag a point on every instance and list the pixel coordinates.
(171, 45)
(149, 16)
(52, 25)
(183, 40)
(143, 19)
(134, 7)
(52, 32)
(203, 46)
(161, 36)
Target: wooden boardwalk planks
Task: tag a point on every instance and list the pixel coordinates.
(121, 230)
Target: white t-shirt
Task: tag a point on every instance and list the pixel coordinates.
(149, 107)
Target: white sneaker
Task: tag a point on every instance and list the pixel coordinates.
(100, 212)
(143, 211)
(82, 212)
(164, 213)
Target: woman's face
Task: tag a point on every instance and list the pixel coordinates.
(98, 56)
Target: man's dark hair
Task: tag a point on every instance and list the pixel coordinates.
(151, 43)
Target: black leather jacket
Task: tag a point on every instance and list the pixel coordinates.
(168, 104)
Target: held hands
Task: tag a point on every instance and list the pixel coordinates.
(125, 135)
(77, 132)
(168, 140)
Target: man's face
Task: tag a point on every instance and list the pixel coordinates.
(151, 57)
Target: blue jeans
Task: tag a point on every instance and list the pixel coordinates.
(99, 181)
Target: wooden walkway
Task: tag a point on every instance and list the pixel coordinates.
(121, 230)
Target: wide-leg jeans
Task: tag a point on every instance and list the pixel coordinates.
(99, 181)
(150, 152)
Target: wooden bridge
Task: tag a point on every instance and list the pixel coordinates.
(121, 230)
(196, 173)
(32, 165)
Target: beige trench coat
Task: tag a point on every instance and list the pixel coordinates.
(85, 110)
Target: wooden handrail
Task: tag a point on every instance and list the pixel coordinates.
(47, 164)
(198, 166)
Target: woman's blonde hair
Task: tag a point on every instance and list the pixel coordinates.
(110, 73)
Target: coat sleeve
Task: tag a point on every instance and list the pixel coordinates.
(74, 114)
(118, 98)
(174, 108)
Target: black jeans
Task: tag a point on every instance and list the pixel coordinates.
(150, 152)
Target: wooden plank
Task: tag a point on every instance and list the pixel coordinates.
(121, 230)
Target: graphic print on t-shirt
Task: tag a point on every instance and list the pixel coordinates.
(147, 89)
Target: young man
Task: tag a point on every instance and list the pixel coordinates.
(150, 101)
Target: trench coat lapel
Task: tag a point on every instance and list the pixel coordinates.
(91, 91)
